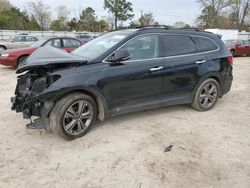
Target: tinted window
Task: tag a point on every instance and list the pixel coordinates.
(177, 45)
(204, 44)
(71, 43)
(19, 39)
(245, 42)
(55, 43)
(144, 47)
(31, 39)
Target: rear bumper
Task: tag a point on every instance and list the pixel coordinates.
(228, 80)
(8, 61)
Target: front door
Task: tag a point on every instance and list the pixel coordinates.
(136, 83)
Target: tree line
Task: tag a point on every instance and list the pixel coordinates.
(223, 14)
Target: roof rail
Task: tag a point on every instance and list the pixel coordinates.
(167, 27)
(152, 26)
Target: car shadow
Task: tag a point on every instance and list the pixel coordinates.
(142, 114)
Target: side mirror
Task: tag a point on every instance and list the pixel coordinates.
(238, 44)
(12, 40)
(119, 56)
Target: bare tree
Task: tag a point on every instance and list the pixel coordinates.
(41, 12)
(5, 5)
(217, 5)
(146, 19)
(240, 12)
(63, 14)
(211, 12)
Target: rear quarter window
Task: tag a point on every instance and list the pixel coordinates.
(204, 44)
(174, 45)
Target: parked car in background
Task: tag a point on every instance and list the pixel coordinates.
(14, 57)
(120, 72)
(84, 37)
(238, 47)
(19, 41)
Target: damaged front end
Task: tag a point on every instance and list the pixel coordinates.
(37, 74)
(28, 99)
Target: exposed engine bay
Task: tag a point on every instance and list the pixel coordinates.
(36, 75)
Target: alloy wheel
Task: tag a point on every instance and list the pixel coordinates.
(78, 117)
(208, 95)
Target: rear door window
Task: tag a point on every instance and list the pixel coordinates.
(173, 45)
(245, 43)
(55, 43)
(71, 43)
(19, 39)
(30, 39)
(204, 44)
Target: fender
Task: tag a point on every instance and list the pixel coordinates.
(98, 97)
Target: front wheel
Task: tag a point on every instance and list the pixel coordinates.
(206, 95)
(73, 115)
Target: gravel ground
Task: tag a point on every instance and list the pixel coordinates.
(210, 149)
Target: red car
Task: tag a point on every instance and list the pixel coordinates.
(238, 47)
(14, 56)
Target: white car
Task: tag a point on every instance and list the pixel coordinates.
(19, 41)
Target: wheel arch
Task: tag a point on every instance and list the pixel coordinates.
(214, 76)
(3, 46)
(96, 95)
(19, 57)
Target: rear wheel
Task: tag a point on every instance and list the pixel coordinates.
(2, 48)
(73, 116)
(206, 95)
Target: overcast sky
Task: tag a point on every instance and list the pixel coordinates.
(165, 11)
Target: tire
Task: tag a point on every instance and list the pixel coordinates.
(65, 119)
(2, 48)
(20, 60)
(207, 93)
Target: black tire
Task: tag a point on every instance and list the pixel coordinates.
(20, 60)
(232, 52)
(2, 48)
(61, 109)
(201, 96)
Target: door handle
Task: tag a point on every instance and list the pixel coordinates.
(156, 68)
(200, 61)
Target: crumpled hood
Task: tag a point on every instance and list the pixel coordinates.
(46, 56)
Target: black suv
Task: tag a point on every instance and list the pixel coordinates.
(120, 72)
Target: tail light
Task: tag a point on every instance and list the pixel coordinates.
(230, 60)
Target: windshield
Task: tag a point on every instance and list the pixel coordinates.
(38, 43)
(229, 42)
(100, 45)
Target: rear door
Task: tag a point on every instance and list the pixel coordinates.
(246, 45)
(29, 40)
(189, 61)
(240, 48)
(136, 83)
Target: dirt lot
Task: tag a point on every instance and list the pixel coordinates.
(210, 149)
